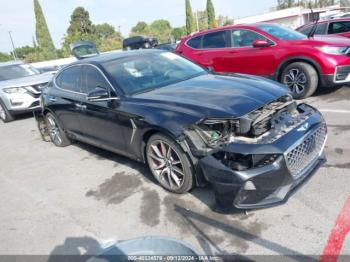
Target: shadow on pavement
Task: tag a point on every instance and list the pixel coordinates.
(191, 216)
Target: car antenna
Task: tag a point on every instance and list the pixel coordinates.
(313, 30)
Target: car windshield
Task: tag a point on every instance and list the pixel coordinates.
(16, 71)
(281, 32)
(142, 73)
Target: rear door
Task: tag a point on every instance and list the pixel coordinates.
(211, 49)
(65, 98)
(100, 120)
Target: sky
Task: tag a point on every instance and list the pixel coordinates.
(17, 16)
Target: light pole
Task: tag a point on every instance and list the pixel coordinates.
(13, 46)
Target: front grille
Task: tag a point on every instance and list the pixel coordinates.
(303, 155)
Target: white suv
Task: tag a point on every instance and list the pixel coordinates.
(20, 88)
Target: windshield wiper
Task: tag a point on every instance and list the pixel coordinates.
(314, 27)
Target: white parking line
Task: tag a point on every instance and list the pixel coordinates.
(335, 111)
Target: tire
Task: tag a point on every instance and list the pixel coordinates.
(57, 135)
(301, 78)
(180, 178)
(5, 115)
(146, 45)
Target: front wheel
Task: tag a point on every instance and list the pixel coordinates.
(56, 133)
(169, 164)
(301, 78)
(5, 115)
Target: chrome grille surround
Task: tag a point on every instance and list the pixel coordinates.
(299, 158)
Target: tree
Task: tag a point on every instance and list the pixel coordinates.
(107, 38)
(43, 36)
(4, 57)
(189, 18)
(345, 3)
(112, 42)
(161, 29)
(178, 33)
(141, 28)
(211, 15)
(104, 30)
(224, 20)
(80, 28)
(80, 22)
(202, 17)
(283, 4)
(24, 51)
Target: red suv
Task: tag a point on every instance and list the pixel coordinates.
(272, 51)
(339, 26)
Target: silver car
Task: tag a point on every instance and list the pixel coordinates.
(20, 88)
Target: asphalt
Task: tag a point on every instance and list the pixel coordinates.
(80, 199)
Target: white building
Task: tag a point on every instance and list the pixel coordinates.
(291, 17)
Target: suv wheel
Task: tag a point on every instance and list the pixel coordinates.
(169, 164)
(5, 115)
(56, 133)
(301, 78)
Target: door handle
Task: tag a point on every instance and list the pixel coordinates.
(52, 99)
(79, 106)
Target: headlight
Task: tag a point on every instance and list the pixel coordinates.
(215, 130)
(334, 50)
(15, 90)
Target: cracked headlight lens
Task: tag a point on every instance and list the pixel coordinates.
(215, 130)
(15, 90)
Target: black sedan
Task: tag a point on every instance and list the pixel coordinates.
(243, 134)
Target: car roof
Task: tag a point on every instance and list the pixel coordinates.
(341, 19)
(9, 63)
(228, 27)
(98, 59)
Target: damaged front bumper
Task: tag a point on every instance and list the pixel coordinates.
(294, 157)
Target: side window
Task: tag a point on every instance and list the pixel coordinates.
(306, 30)
(93, 78)
(321, 29)
(69, 79)
(245, 38)
(339, 27)
(195, 42)
(216, 40)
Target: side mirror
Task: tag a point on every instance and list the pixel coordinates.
(261, 43)
(98, 94)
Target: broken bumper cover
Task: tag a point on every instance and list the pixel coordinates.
(297, 155)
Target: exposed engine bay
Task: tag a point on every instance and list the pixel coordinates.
(262, 126)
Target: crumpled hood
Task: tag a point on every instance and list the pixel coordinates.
(215, 96)
(27, 81)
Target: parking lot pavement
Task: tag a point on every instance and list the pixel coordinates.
(80, 198)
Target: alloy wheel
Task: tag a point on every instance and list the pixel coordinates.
(2, 113)
(296, 80)
(54, 130)
(166, 164)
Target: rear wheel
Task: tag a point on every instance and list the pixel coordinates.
(56, 133)
(301, 78)
(5, 115)
(169, 164)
